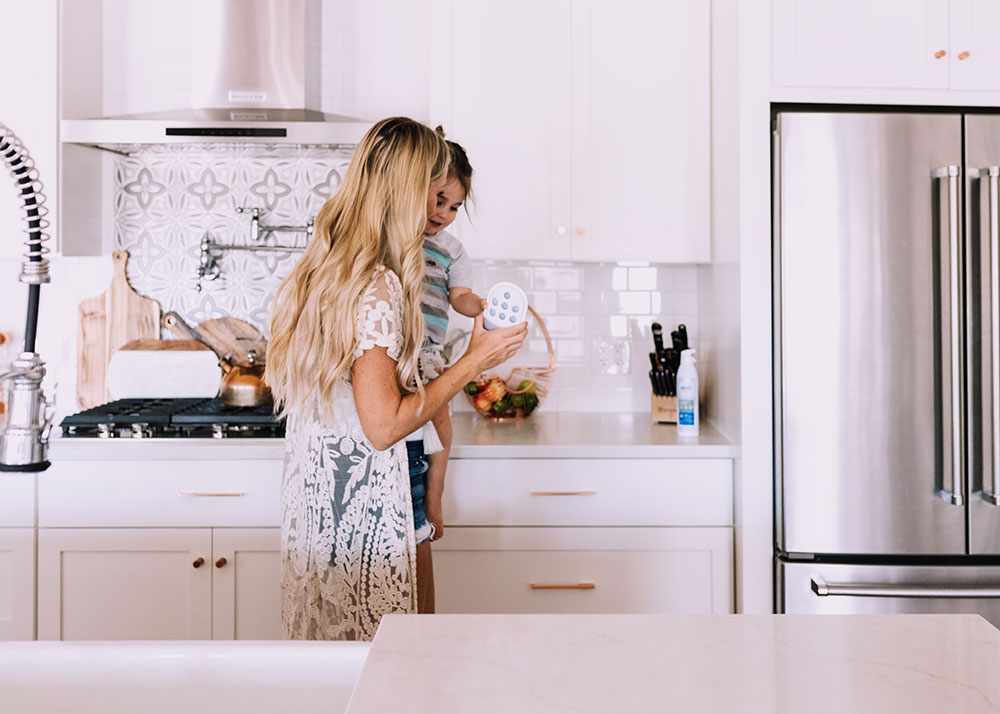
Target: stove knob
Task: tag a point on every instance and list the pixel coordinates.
(105, 431)
(218, 431)
(141, 430)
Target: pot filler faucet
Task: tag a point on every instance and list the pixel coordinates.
(24, 439)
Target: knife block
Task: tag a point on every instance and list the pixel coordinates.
(664, 409)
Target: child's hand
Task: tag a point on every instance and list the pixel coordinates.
(435, 517)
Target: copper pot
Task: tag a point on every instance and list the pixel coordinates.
(243, 384)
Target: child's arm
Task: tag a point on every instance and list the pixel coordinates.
(465, 301)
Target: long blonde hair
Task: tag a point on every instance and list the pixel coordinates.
(376, 218)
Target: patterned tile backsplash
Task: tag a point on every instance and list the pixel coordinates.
(166, 199)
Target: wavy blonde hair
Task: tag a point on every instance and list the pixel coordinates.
(376, 218)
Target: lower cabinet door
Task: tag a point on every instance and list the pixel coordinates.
(17, 583)
(584, 570)
(124, 583)
(246, 590)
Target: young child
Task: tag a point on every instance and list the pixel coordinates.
(447, 283)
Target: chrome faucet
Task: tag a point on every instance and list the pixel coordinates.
(24, 439)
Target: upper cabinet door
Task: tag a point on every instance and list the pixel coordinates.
(501, 88)
(861, 43)
(975, 51)
(641, 122)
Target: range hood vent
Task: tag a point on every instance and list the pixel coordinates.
(255, 79)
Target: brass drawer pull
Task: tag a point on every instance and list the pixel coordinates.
(564, 493)
(198, 562)
(577, 586)
(221, 562)
(199, 494)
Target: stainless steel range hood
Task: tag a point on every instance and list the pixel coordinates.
(255, 79)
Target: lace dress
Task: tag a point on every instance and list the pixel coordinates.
(347, 546)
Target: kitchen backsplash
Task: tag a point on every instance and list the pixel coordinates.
(166, 198)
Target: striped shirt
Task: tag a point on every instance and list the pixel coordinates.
(447, 266)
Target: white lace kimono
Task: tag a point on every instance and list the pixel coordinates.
(347, 544)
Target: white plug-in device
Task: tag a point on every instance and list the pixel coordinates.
(506, 305)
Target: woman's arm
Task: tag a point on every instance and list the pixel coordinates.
(387, 415)
(465, 301)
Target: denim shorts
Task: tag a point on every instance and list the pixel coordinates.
(423, 528)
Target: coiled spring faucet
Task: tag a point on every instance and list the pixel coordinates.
(25, 435)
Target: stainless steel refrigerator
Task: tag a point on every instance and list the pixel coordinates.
(887, 361)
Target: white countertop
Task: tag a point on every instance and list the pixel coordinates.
(451, 664)
(544, 435)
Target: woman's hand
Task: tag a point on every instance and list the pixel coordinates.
(488, 348)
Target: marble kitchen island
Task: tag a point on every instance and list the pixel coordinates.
(736, 664)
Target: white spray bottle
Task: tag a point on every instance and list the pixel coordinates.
(687, 395)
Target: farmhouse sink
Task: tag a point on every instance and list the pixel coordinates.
(178, 676)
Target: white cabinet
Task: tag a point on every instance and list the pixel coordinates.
(158, 583)
(587, 536)
(975, 52)
(17, 583)
(587, 125)
(585, 570)
(897, 44)
(17, 556)
(124, 584)
(246, 584)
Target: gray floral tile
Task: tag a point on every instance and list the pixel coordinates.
(168, 197)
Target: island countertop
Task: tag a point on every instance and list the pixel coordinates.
(544, 435)
(738, 664)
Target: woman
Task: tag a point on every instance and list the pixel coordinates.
(342, 364)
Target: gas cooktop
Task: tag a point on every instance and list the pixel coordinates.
(166, 418)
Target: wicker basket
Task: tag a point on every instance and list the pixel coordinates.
(518, 396)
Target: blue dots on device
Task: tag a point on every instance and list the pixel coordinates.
(506, 305)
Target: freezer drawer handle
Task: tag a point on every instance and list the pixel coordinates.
(955, 493)
(825, 589)
(992, 174)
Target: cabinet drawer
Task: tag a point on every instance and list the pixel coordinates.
(160, 493)
(584, 570)
(17, 500)
(589, 492)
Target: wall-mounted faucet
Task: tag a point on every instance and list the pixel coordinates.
(258, 231)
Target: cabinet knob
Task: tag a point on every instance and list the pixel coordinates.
(198, 562)
(220, 562)
(561, 230)
(939, 54)
(963, 55)
(580, 231)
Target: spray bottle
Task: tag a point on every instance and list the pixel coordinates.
(687, 395)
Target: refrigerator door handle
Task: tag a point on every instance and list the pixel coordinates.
(992, 174)
(824, 589)
(954, 493)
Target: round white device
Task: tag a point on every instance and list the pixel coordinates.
(506, 305)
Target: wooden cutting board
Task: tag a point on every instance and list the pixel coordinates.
(224, 335)
(230, 334)
(107, 322)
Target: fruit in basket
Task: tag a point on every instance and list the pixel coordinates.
(495, 390)
(494, 398)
